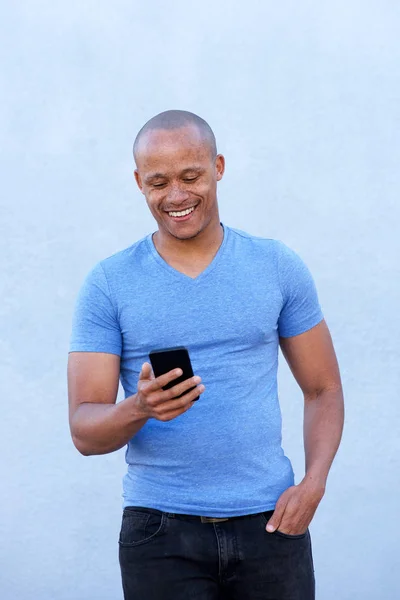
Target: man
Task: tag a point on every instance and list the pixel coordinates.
(210, 506)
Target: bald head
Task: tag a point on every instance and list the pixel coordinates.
(177, 119)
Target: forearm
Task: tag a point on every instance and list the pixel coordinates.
(104, 428)
(323, 426)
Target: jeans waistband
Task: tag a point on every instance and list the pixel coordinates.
(202, 519)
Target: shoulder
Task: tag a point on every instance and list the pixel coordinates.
(271, 253)
(261, 245)
(106, 272)
(124, 259)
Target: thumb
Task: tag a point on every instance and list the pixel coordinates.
(276, 518)
(146, 372)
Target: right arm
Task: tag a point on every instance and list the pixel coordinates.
(98, 424)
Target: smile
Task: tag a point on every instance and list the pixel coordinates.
(181, 213)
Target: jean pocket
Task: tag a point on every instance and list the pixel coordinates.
(266, 517)
(289, 536)
(140, 527)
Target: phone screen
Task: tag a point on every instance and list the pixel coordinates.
(166, 359)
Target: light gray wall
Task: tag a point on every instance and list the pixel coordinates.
(304, 100)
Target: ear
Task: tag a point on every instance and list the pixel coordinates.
(138, 180)
(220, 166)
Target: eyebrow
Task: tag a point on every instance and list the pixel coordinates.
(192, 170)
(152, 176)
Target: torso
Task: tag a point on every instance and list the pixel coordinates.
(223, 457)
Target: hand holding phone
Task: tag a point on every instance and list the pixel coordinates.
(167, 395)
(166, 359)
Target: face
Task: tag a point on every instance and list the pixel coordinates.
(178, 176)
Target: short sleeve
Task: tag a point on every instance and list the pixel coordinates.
(300, 309)
(95, 326)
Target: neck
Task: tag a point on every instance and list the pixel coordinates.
(204, 244)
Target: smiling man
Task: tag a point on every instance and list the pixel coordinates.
(211, 510)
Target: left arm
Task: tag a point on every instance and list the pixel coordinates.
(312, 360)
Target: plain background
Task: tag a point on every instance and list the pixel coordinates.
(304, 99)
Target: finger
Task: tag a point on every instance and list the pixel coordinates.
(182, 402)
(191, 396)
(184, 386)
(173, 408)
(146, 372)
(162, 380)
(277, 516)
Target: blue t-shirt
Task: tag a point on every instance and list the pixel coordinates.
(223, 457)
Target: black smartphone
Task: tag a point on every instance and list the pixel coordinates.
(166, 359)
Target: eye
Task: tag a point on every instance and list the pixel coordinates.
(189, 179)
(158, 185)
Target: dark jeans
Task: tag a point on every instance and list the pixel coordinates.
(175, 557)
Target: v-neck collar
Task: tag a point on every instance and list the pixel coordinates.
(163, 263)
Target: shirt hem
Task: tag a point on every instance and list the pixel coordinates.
(303, 328)
(92, 348)
(202, 511)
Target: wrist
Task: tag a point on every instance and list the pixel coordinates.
(315, 483)
(136, 413)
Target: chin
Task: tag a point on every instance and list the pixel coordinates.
(183, 233)
(183, 236)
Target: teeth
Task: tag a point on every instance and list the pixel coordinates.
(182, 213)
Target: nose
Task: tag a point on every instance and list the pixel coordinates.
(177, 195)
